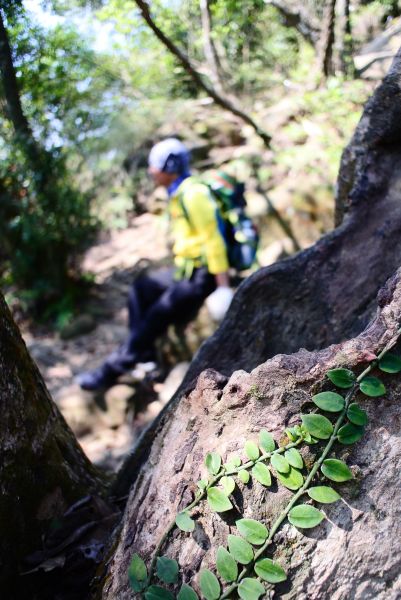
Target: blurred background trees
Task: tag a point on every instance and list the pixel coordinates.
(83, 93)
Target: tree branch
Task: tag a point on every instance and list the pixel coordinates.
(298, 20)
(221, 100)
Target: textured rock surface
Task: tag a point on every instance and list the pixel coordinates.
(352, 554)
(324, 295)
(327, 293)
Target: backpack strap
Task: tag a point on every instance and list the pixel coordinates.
(180, 198)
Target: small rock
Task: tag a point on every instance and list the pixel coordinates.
(79, 326)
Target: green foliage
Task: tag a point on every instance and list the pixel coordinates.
(213, 462)
(244, 476)
(45, 219)
(294, 458)
(250, 589)
(280, 463)
(372, 386)
(270, 571)
(342, 378)
(187, 593)
(218, 500)
(288, 463)
(329, 401)
(390, 363)
(254, 532)
(228, 484)
(226, 565)
(323, 494)
(233, 462)
(184, 522)
(262, 474)
(305, 516)
(209, 585)
(240, 549)
(137, 573)
(155, 592)
(318, 426)
(350, 433)
(357, 415)
(336, 470)
(251, 450)
(292, 480)
(167, 569)
(266, 441)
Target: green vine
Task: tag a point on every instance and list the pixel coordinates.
(244, 567)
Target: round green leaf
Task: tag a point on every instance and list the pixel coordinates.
(270, 571)
(294, 458)
(209, 585)
(218, 500)
(184, 522)
(137, 573)
(244, 476)
(336, 470)
(329, 401)
(226, 565)
(390, 363)
(240, 549)
(305, 516)
(357, 415)
(202, 484)
(318, 426)
(262, 474)
(155, 592)
(350, 433)
(187, 593)
(323, 494)
(213, 462)
(342, 378)
(251, 450)
(228, 484)
(292, 480)
(266, 441)
(372, 386)
(253, 531)
(233, 462)
(280, 463)
(250, 589)
(167, 569)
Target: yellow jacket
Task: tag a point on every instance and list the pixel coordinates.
(196, 232)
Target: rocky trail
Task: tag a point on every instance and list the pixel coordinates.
(105, 435)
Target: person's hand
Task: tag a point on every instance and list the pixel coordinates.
(219, 301)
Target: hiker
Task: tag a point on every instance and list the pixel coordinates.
(172, 295)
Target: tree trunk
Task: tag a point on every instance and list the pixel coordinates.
(345, 45)
(325, 55)
(42, 468)
(322, 296)
(209, 48)
(23, 133)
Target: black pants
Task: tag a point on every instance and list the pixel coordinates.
(155, 301)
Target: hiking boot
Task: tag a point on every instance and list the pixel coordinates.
(100, 379)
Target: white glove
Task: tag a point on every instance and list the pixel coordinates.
(219, 301)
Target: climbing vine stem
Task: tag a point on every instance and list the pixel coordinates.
(265, 460)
